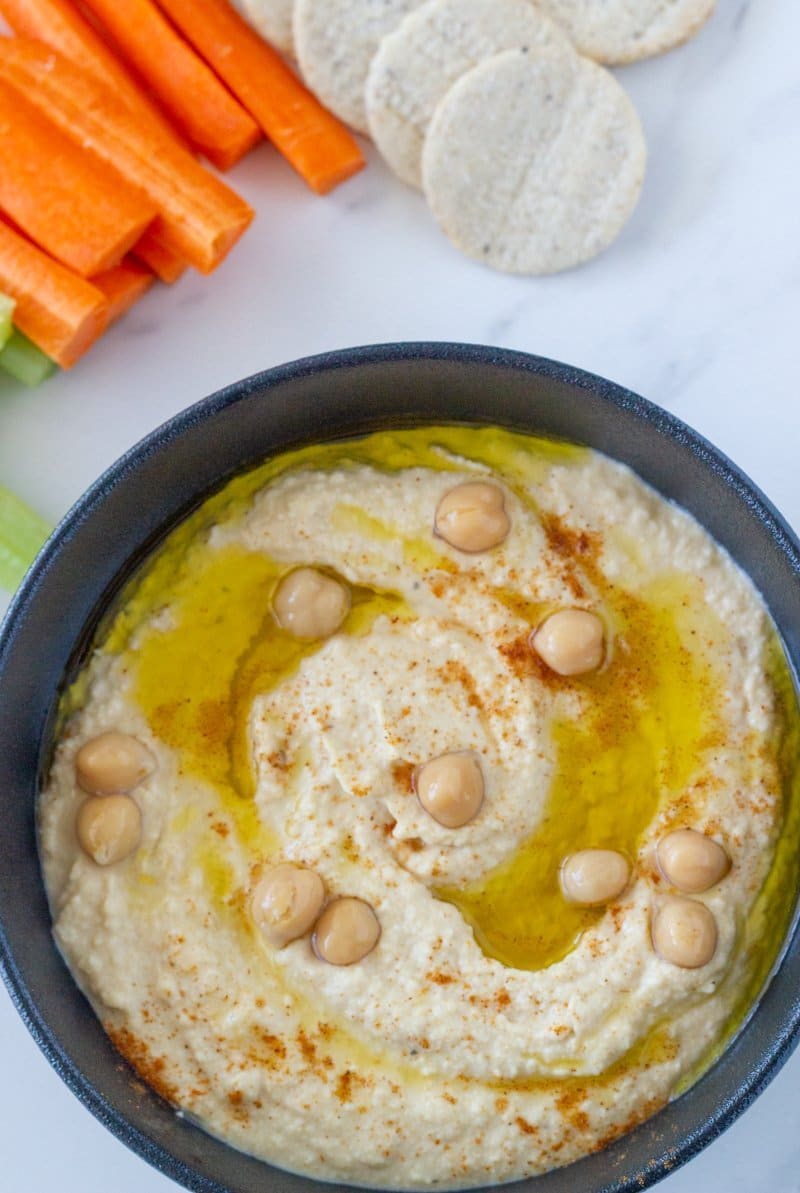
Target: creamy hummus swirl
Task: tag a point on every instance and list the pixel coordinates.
(435, 1058)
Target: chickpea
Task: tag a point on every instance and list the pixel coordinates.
(109, 827)
(451, 788)
(286, 902)
(691, 861)
(310, 604)
(113, 763)
(346, 932)
(472, 517)
(594, 876)
(684, 932)
(571, 642)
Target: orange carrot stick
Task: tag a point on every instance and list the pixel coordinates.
(59, 24)
(61, 312)
(203, 109)
(123, 286)
(166, 265)
(78, 210)
(312, 140)
(200, 218)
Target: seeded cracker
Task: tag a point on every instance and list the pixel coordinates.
(273, 20)
(335, 42)
(533, 161)
(434, 45)
(618, 31)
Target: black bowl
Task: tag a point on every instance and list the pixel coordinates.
(50, 625)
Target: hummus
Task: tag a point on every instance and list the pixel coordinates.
(497, 1028)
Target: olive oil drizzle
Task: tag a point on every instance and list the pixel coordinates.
(216, 645)
(649, 716)
(646, 725)
(196, 680)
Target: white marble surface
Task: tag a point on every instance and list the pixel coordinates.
(697, 306)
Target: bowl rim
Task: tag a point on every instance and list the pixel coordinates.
(780, 1041)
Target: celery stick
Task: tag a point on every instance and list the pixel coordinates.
(22, 533)
(6, 311)
(24, 361)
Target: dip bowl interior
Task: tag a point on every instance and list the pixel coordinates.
(50, 626)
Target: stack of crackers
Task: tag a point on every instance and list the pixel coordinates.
(529, 152)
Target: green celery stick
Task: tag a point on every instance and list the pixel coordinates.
(24, 361)
(22, 533)
(6, 311)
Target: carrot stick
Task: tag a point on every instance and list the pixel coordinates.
(78, 210)
(165, 264)
(200, 218)
(61, 312)
(59, 24)
(194, 97)
(312, 140)
(123, 286)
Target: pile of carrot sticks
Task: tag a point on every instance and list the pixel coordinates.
(103, 109)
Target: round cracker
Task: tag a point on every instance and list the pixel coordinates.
(619, 31)
(533, 161)
(432, 47)
(273, 20)
(335, 42)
